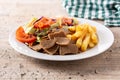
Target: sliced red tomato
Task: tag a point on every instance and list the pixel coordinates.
(22, 37)
(43, 23)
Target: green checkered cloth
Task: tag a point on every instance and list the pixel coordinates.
(107, 10)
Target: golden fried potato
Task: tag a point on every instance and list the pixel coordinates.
(72, 28)
(79, 42)
(94, 29)
(91, 44)
(84, 32)
(76, 35)
(79, 28)
(85, 43)
(69, 36)
(94, 38)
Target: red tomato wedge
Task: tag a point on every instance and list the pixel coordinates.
(22, 37)
(43, 23)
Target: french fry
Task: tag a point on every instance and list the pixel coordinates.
(80, 39)
(84, 32)
(79, 42)
(72, 28)
(94, 29)
(78, 28)
(91, 44)
(90, 30)
(93, 35)
(85, 43)
(76, 35)
(94, 38)
(69, 36)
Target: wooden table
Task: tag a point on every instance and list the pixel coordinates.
(14, 66)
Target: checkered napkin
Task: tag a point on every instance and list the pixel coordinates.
(107, 10)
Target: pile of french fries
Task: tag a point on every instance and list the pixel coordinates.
(84, 35)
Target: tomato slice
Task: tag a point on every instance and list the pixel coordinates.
(43, 23)
(22, 37)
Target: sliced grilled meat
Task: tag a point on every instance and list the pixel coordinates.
(53, 50)
(68, 49)
(56, 34)
(45, 44)
(36, 47)
(62, 40)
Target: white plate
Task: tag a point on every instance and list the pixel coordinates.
(105, 36)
